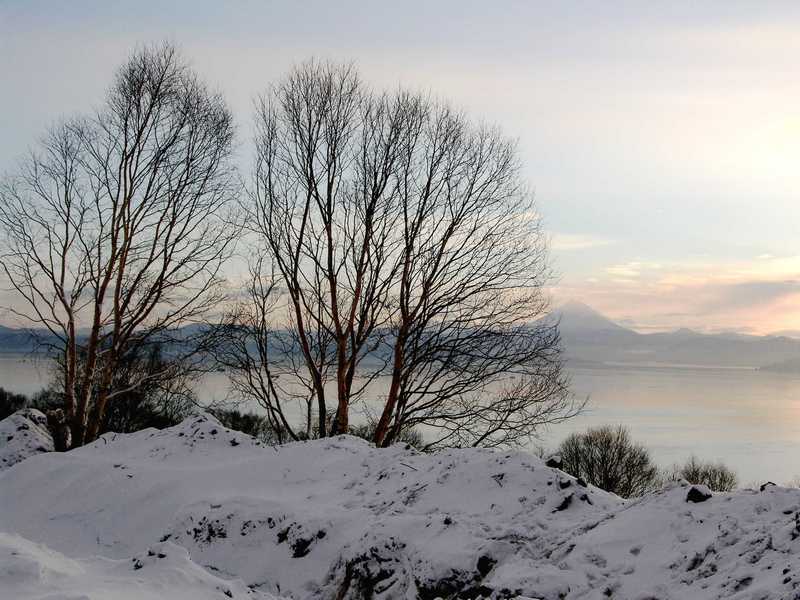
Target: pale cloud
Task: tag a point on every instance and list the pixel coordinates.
(633, 269)
(627, 271)
(566, 242)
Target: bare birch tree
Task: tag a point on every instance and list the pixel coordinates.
(116, 228)
(473, 358)
(399, 229)
(327, 153)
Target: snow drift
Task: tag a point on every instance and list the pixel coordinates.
(339, 519)
(23, 434)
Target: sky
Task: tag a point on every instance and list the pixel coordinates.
(662, 139)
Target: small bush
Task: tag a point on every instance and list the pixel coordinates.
(407, 436)
(250, 423)
(607, 458)
(46, 399)
(716, 476)
(134, 412)
(11, 403)
(260, 428)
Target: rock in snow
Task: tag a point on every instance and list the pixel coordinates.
(699, 493)
(23, 434)
(554, 461)
(339, 519)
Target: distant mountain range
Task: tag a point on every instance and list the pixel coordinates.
(27, 341)
(19, 341)
(590, 337)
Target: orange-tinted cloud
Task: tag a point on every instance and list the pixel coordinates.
(759, 296)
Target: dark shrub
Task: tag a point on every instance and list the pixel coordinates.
(607, 458)
(247, 422)
(407, 436)
(260, 428)
(716, 476)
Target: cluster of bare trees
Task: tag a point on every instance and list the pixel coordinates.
(391, 239)
(400, 242)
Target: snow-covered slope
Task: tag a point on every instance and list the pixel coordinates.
(23, 434)
(29, 570)
(337, 518)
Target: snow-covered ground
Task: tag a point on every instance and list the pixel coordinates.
(165, 571)
(198, 511)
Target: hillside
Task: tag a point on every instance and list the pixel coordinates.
(201, 508)
(23, 341)
(574, 316)
(590, 337)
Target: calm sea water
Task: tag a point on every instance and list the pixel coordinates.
(748, 419)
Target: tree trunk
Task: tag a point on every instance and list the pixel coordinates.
(341, 423)
(103, 390)
(381, 440)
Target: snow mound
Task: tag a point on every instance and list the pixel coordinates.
(338, 518)
(23, 434)
(742, 545)
(29, 570)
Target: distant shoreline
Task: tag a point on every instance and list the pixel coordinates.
(589, 364)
